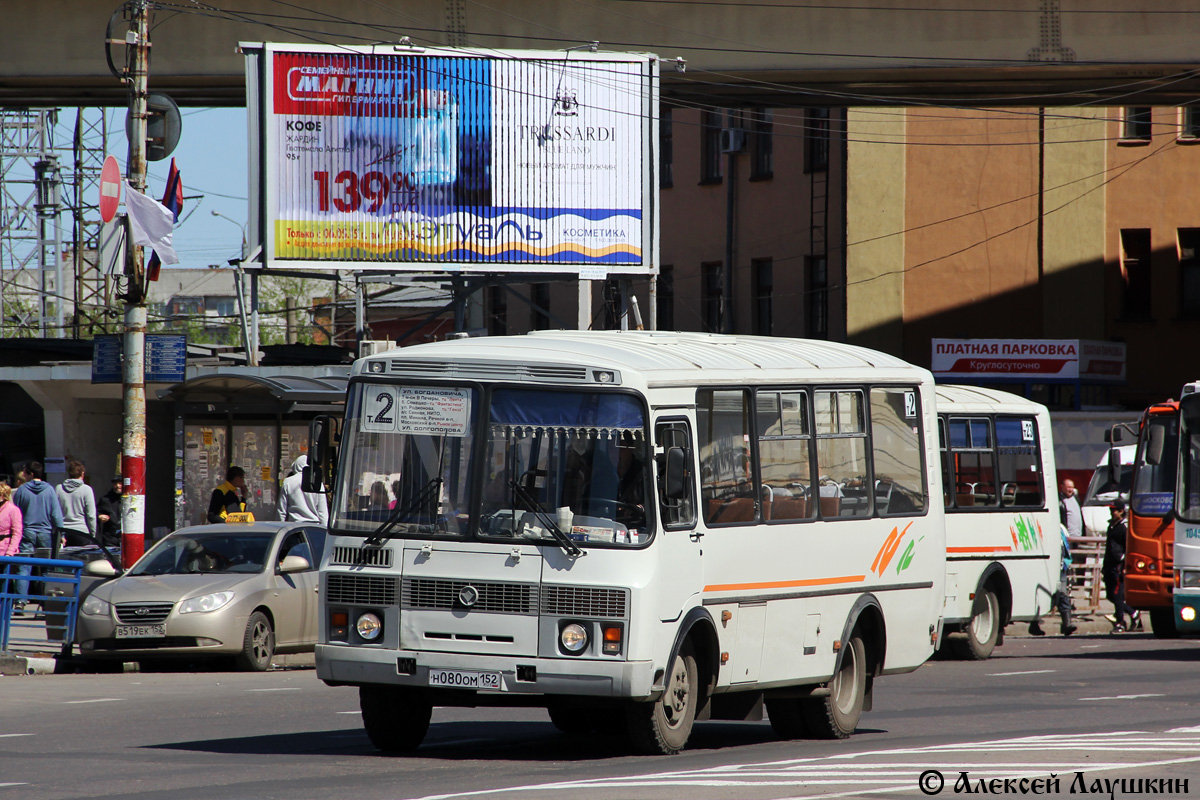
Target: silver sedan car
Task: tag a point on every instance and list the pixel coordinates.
(243, 590)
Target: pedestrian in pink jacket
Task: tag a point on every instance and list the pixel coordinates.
(10, 523)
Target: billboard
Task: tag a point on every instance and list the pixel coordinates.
(1030, 359)
(399, 158)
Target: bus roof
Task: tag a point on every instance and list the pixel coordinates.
(958, 398)
(661, 358)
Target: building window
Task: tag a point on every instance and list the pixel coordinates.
(818, 297)
(762, 145)
(816, 139)
(1189, 272)
(713, 291)
(762, 270)
(1135, 274)
(666, 298)
(498, 319)
(666, 150)
(710, 147)
(539, 318)
(1189, 122)
(1136, 124)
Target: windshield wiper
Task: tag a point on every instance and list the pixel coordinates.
(564, 541)
(383, 532)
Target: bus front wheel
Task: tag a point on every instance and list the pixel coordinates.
(663, 726)
(836, 716)
(396, 719)
(983, 630)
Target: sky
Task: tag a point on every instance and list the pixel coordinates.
(212, 160)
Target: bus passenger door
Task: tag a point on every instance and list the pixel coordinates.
(680, 546)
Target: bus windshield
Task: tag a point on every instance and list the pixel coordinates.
(578, 461)
(1154, 483)
(557, 464)
(406, 454)
(1188, 494)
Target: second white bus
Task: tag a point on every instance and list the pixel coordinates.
(1003, 548)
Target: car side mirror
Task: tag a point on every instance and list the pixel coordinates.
(675, 474)
(100, 569)
(294, 564)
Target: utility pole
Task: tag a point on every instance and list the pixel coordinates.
(133, 375)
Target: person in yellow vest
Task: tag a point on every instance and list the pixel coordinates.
(229, 497)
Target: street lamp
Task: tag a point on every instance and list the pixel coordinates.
(249, 327)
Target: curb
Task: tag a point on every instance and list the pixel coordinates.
(27, 665)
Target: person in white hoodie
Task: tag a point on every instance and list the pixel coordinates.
(78, 503)
(297, 505)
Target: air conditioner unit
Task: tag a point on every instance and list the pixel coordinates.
(371, 347)
(733, 140)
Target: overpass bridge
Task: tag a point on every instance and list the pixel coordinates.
(737, 52)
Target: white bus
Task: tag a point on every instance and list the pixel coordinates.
(634, 530)
(1003, 548)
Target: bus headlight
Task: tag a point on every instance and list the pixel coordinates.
(573, 637)
(369, 626)
(1189, 579)
(1188, 614)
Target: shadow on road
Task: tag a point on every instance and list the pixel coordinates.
(495, 740)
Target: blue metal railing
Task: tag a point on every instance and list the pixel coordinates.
(59, 610)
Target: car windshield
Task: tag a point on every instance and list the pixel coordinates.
(406, 456)
(575, 461)
(1102, 489)
(202, 552)
(1154, 483)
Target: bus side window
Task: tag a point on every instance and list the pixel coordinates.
(785, 462)
(726, 481)
(896, 445)
(1020, 462)
(676, 512)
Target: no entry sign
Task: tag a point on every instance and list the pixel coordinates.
(110, 189)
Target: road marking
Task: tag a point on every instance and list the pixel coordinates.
(2, 785)
(1123, 697)
(10, 735)
(894, 773)
(277, 689)
(96, 700)
(1025, 672)
(1195, 729)
(1089, 647)
(347, 712)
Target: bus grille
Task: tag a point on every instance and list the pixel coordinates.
(143, 613)
(343, 556)
(509, 598)
(584, 601)
(360, 590)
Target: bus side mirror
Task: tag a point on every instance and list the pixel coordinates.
(1114, 465)
(1155, 444)
(1112, 436)
(320, 454)
(675, 474)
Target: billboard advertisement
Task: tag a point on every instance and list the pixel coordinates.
(421, 159)
(1029, 359)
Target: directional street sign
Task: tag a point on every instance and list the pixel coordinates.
(110, 189)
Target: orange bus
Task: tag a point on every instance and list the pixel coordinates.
(1149, 567)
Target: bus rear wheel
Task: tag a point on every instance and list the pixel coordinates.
(786, 715)
(396, 720)
(983, 630)
(663, 726)
(836, 716)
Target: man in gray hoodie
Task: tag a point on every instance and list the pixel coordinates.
(41, 515)
(295, 504)
(78, 506)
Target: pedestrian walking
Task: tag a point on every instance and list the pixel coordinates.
(1071, 517)
(1113, 570)
(10, 523)
(41, 517)
(108, 512)
(297, 505)
(78, 506)
(229, 497)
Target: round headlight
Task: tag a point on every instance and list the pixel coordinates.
(1188, 614)
(369, 626)
(573, 637)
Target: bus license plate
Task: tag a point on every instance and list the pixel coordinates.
(459, 679)
(141, 631)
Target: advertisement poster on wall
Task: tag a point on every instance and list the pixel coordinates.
(523, 161)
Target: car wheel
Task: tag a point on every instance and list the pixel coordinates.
(258, 645)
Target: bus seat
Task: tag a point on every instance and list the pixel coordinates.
(733, 509)
(964, 499)
(789, 508)
(831, 506)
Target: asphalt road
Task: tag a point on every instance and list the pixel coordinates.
(1109, 707)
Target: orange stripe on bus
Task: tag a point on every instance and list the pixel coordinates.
(729, 587)
(1005, 549)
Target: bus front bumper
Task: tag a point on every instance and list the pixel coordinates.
(520, 678)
